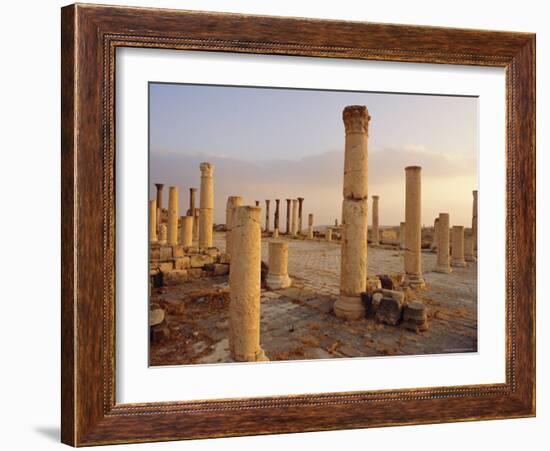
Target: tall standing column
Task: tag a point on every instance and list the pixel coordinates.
(457, 247)
(469, 254)
(206, 205)
(277, 277)
(328, 234)
(173, 216)
(435, 238)
(413, 229)
(443, 260)
(402, 235)
(232, 203)
(196, 217)
(244, 286)
(474, 219)
(310, 226)
(267, 202)
(160, 188)
(192, 193)
(353, 262)
(294, 221)
(287, 216)
(153, 235)
(186, 231)
(300, 207)
(375, 226)
(163, 234)
(276, 219)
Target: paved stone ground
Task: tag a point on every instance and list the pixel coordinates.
(298, 323)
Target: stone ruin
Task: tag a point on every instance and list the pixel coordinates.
(181, 248)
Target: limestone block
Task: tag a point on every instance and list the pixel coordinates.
(212, 251)
(224, 259)
(154, 253)
(386, 281)
(373, 283)
(156, 316)
(176, 277)
(166, 253)
(199, 260)
(221, 269)
(389, 311)
(399, 296)
(178, 251)
(195, 273)
(165, 266)
(181, 262)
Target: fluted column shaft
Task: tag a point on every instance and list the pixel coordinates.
(173, 200)
(206, 222)
(413, 229)
(375, 225)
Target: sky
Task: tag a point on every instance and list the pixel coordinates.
(268, 143)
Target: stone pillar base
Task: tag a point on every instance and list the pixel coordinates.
(415, 281)
(349, 307)
(259, 356)
(459, 263)
(276, 233)
(443, 269)
(470, 258)
(278, 282)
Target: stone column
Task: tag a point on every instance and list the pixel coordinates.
(232, 203)
(192, 192)
(287, 216)
(413, 229)
(328, 234)
(310, 226)
(457, 247)
(353, 262)
(276, 219)
(469, 254)
(153, 235)
(443, 260)
(163, 234)
(196, 216)
(257, 202)
(294, 221)
(206, 222)
(402, 235)
(375, 228)
(474, 219)
(173, 200)
(435, 238)
(244, 286)
(300, 206)
(267, 202)
(277, 277)
(160, 187)
(187, 231)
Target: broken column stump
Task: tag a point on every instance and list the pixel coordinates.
(415, 317)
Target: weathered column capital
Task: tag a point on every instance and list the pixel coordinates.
(159, 185)
(356, 119)
(207, 169)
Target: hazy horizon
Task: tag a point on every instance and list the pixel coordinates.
(269, 143)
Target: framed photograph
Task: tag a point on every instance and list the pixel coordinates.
(279, 225)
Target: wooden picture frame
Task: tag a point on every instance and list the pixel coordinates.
(90, 36)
